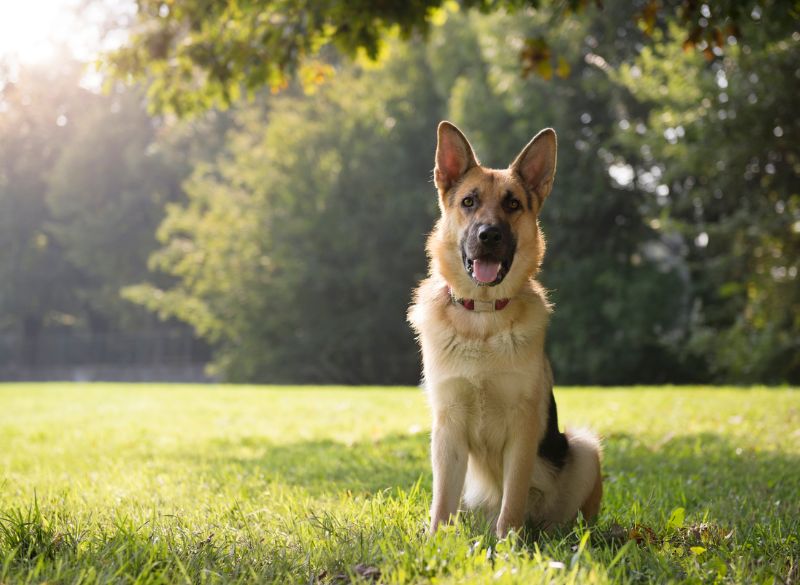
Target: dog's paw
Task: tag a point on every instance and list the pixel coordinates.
(439, 522)
(504, 526)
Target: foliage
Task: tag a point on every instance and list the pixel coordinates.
(715, 145)
(299, 247)
(83, 182)
(106, 194)
(31, 264)
(301, 484)
(197, 54)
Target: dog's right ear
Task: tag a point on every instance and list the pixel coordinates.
(454, 157)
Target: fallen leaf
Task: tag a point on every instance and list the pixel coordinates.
(371, 573)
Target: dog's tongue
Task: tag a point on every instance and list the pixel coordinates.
(485, 271)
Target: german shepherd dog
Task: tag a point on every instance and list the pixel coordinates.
(481, 319)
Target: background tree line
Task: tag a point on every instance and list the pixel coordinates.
(288, 230)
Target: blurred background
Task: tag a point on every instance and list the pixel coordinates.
(195, 190)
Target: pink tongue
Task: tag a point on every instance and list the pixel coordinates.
(485, 271)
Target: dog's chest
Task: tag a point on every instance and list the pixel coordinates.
(505, 345)
(451, 354)
(488, 410)
(483, 380)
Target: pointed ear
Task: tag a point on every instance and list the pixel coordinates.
(454, 157)
(536, 164)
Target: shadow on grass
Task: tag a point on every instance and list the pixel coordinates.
(322, 466)
(701, 472)
(643, 481)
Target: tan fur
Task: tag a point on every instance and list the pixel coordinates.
(486, 374)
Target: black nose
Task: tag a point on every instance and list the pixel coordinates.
(489, 234)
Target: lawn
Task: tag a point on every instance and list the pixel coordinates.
(171, 483)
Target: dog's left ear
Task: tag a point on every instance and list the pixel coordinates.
(536, 164)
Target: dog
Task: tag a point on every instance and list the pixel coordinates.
(480, 318)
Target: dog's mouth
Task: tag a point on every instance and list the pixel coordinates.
(486, 271)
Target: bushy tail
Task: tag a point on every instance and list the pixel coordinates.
(579, 484)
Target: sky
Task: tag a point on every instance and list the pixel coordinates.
(36, 31)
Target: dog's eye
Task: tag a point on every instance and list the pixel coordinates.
(468, 202)
(513, 204)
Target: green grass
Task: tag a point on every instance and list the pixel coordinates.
(169, 484)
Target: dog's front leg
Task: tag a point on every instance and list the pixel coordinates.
(449, 455)
(519, 456)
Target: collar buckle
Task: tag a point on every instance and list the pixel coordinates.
(478, 305)
(483, 306)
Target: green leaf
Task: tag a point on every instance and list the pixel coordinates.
(698, 550)
(676, 518)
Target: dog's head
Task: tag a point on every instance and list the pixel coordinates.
(487, 243)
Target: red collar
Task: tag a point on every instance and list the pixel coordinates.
(477, 305)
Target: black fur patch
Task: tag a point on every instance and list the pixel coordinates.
(529, 199)
(554, 446)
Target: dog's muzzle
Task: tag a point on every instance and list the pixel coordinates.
(487, 252)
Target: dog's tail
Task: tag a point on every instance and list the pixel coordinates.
(590, 452)
(579, 484)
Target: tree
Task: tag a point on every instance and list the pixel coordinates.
(106, 194)
(715, 145)
(298, 249)
(35, 279)
(83, 183)
(196, 54)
